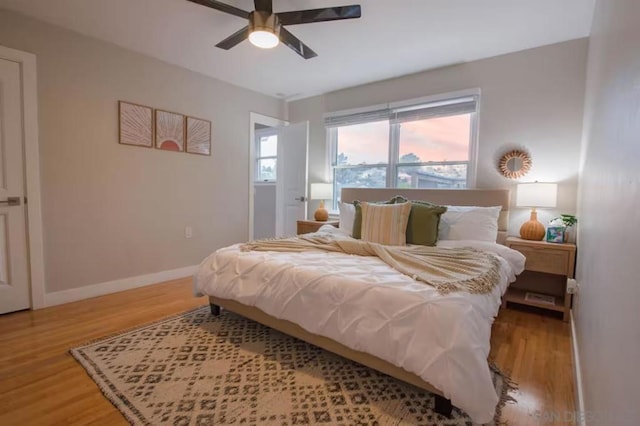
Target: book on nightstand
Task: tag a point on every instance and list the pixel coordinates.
(540, 298)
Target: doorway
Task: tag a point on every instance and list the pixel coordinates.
(262, 194)
(277, 176)
(264, 185)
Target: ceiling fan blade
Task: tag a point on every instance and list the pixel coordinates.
(234, 39)
(264, 6)
(295, 44)
(319, 15)
(223, 7)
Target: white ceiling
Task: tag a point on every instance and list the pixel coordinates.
(392, 38)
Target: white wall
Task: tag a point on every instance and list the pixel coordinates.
(606, 308)
(113, 211)
(531, 99)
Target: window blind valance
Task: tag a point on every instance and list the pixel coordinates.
(356, 118)
(423, 111)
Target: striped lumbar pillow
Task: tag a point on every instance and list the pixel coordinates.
(385, 223)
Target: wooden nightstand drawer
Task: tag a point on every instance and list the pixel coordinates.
(308, 226)
(545, 259)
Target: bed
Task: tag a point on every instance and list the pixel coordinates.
(366, 311)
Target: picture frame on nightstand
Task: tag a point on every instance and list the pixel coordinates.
(555, 234)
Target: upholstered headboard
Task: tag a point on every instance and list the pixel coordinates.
(451, 197)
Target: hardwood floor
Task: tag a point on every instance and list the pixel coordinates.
(40, 383)
(535, 350)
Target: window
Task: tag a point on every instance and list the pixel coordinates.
(409, 145)
(266, 154)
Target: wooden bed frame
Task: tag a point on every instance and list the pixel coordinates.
(459, 197)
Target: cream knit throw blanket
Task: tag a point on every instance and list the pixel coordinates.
(448, 270)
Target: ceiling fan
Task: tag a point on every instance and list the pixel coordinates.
(266, 29)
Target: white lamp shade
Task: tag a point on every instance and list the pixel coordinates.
(321, 191)
(537, 194)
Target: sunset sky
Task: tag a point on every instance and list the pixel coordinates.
(437, 139)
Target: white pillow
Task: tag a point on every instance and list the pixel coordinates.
(347, 216)
(469, 223)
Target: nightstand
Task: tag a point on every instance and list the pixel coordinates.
(307, 226)
(547, 269)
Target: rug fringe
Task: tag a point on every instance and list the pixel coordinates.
(505, 398)
(116, 398)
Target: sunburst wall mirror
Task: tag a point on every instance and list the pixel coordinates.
(514, 164)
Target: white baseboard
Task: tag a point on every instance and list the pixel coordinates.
(577, 374)
(94, 290)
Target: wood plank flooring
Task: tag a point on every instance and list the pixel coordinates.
(41, 384)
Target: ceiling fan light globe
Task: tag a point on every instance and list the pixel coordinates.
(264, 39)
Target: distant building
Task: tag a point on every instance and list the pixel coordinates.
(421, 179)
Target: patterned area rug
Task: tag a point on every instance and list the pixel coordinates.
(196, 369)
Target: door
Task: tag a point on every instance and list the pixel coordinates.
(291, 180)
(14, 275)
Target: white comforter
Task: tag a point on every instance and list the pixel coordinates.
(366, 305)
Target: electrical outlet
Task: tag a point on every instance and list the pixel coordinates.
(188, 232)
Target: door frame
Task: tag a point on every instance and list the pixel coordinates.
(265, 120)
(28, 71)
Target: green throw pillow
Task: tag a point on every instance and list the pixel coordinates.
(357, 221)
(424, 219)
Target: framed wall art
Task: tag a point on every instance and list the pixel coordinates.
(135, 124)
(169, 131)
(198, 136)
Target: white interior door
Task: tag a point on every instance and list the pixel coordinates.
(14, 275)
(291, 180)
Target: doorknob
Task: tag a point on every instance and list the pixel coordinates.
(11, 201)
(302, 198)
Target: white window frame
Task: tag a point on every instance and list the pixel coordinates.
(260, 133)
(394, 139)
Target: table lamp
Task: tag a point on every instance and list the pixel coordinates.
(535, 195)
(322, 192)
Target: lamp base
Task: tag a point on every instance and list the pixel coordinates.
(321, 214)
(532, 229)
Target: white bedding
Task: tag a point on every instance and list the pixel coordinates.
(366, 305)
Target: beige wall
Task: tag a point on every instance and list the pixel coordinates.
(113, 211)
(531, 99)
(606, 308)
